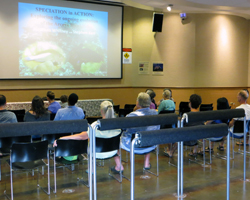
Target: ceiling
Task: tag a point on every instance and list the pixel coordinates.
(233, 7)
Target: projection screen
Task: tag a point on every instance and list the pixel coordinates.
(42, 39)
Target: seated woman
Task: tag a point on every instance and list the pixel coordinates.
(167, 103)
(222, 104)
(152, 95)
(143, 104)
(37, 113)
(171, 97)
(107, 111)
(64, 101)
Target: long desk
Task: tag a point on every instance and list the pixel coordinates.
(90, 106)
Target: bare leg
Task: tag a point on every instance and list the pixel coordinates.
(195, 149)
(171, 149)
(194, 153)
(118, 165)
(174, 147)
(222, 143)
(147, 160)
(212, 145)
(247, 141)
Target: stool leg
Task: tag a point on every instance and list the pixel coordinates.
(0, 171)
(204, 158)
(210, 151)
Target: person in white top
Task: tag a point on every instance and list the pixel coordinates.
(107, 111)
(242, 99)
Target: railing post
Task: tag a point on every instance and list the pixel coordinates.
(228, 166)
(132, 160)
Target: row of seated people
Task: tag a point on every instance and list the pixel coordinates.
(165, 105)
(142, 108)
(222, 103)
(39, 113)
(107, 111)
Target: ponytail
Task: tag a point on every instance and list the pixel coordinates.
(107, 108)
(110, 112)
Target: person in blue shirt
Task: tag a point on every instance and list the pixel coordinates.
(54, 106)
(143, 105)
(5, 115)
(71, 112)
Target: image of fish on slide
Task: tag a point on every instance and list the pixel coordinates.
(58, 41)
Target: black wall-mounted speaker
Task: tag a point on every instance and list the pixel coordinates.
(157, 22)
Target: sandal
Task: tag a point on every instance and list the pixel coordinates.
(147, 168)
(221, 148)
(241, 143)
(115, 171)
(208, 150)
(193, 154)
(201, 153)
(167, 154)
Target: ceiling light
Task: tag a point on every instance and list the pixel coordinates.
(169, 8)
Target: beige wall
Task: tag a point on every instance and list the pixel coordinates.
(221, 51)
(174, 46)
(208, 55)
(209, 51)
(248, 52)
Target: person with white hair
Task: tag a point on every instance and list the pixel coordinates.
(143, 103)
(242, 99)
(171, 97)
(107, 111)
(167, 103)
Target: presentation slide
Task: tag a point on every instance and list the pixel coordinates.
(61, 40)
